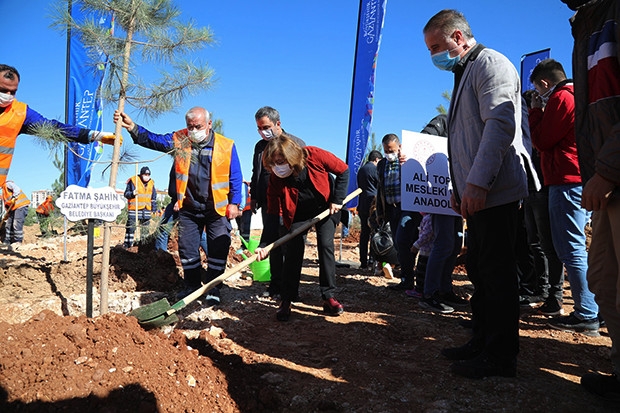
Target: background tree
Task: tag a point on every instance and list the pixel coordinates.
(447, 95)
(147, 35)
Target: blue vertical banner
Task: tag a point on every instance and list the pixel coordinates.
(528, 63)
(84, 101)
(369, 26)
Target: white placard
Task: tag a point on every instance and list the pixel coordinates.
(425, 176)
(77, 203)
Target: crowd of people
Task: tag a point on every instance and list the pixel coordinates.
(530, 170)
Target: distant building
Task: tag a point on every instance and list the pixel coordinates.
(37, 197)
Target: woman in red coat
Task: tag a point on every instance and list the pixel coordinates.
(300, 187)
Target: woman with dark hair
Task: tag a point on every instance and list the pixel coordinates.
(300, 187)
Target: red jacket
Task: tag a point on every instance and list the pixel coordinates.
(553, 134)
(319, 163)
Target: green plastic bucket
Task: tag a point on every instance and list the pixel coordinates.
(260, 269)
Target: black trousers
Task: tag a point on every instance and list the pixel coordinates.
(294, 256)
(492, 268)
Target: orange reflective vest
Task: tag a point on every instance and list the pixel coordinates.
(46, 207)
(12, 203)
(11, 122)
(248, 199)
(145, 193)
(220, 168)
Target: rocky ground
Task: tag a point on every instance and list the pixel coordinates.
(381, 355)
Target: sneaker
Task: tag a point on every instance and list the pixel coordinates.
(530, 300)
(551, 307)
(332, 307)
(608, 387)
(570, 323)
(435, 305)
(414, 293)
(451, 299)
(387, 271)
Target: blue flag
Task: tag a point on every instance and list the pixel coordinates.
(369, 26)
(84, 103)
(528, 63)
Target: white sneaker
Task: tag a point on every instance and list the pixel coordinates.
(387, 271)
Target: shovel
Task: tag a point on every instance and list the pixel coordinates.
(161, 313)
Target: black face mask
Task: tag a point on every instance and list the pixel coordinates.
(575, 4)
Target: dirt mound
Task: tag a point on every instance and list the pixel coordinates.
(108, 363)
(381, 355)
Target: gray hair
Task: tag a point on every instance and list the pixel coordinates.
(448, 21)
(191, 114)
(268, 111)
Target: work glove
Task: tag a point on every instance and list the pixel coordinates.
(103, 137)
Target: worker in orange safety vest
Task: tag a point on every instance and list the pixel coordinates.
(15, 210)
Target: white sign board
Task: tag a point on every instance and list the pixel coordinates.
(77, 203)
(425, 176)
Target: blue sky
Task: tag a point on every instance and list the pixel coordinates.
(296, 56)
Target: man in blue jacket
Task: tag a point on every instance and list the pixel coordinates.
(208, 192)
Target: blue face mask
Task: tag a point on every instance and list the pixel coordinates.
(443, 61)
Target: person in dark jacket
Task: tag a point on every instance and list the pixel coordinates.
(367, 181)
(269, 127)
(300, 187)
(596, 72)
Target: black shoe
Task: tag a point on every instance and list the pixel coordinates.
(551, 307)
(284, 311)
(213, 297)
(185, 292)
(570, 323)
(484, 366)
(451, 299)
(466, 323)
(467, 351)
(608, 387)
(434, 304)
(403, 285)
(530, 301)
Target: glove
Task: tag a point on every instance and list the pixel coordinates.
(103, 137)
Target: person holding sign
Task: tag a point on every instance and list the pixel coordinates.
(487, 152)
(403, 224)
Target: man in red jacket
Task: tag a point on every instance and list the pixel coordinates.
(552, 127)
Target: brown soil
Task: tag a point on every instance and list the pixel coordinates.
(381, 355)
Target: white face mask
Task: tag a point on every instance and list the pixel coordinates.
(282, 171)
(267, 134)
(146, 178)
(391, 157)
(6, 99)
(197, 136)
